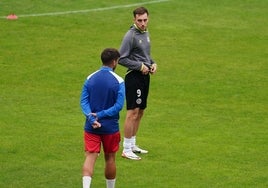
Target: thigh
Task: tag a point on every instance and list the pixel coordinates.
(111, 142)
(137, 89)
(145, 91)
(92, 142)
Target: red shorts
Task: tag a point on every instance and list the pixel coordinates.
(110, 142)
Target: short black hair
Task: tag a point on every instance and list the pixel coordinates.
(108, 55)
(140, 10)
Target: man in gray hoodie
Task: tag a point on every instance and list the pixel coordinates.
(135, 55)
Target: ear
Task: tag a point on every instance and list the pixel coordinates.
(114, 63)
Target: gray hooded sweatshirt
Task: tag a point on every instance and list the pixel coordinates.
(135, 49)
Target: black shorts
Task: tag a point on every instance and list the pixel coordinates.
(137, 89)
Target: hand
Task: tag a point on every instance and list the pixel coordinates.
(145, 70)
(153, 68)
(96, 124)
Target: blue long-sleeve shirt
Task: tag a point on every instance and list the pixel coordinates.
(103, 93)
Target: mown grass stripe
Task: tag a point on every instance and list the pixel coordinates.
(88, 10)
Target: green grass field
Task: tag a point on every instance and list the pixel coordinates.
(206, 121)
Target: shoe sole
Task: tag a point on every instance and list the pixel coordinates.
(135, 151)
(131, 158)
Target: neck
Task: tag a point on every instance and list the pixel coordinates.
(142, 31)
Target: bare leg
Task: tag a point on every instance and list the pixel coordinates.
(137, 121)
(130, 128)
(110, 166)
(131, 122)
(89, 163)
(88, 168)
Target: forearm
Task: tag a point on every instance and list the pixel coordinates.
(85, 106)
(117, 107)
(130, 64)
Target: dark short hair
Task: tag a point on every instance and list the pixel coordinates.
(140, 10)
(108, 55)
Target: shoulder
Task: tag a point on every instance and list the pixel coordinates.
(117, 77)
(92, 74)
(132, 32)
(129, 34)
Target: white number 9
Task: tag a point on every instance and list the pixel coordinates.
(138, 92)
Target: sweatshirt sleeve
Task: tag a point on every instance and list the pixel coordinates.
(85, 106)
(125, 51)
(115, 109)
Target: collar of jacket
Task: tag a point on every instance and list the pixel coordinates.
(140, 29)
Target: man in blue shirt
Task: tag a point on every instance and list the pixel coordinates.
(102, 99)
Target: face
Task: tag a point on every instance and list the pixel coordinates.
(141, 21)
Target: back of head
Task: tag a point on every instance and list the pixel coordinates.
(108, 55)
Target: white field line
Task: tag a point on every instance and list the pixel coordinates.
(87, 10)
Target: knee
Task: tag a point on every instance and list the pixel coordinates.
(135, 114)
(141, 113)
(86, 171)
